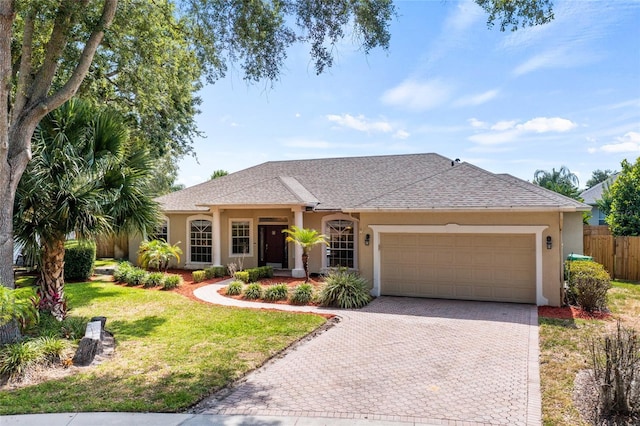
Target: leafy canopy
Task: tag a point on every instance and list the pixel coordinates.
(561, 181)
(623, 216)
(598, 176)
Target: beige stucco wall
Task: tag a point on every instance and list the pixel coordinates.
(572, 237)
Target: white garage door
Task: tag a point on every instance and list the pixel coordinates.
(492, 267)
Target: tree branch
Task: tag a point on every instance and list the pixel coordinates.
(25, 70)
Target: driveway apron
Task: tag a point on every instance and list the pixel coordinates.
(404, 359)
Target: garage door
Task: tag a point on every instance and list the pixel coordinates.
(498, 267)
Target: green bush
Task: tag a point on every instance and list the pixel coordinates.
(302, 294)
(215, 272)
(51, 348)
(588, 285)
(136, 276)
(70, 328)
(120, 273)
(253, 291)
(198, 276)
(78, 260)
(18, 358)
(171, 281)
(242, 276)
(344, 289)
(14, 306)
(276, 292)
(235, 288)
(254, 274)
(154, 279)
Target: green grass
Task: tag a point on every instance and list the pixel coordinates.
(105, 262)
(564, 351)
(171, 352)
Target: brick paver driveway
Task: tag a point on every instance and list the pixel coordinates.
(403, 359)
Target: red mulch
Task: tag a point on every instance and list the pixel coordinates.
(570, 312)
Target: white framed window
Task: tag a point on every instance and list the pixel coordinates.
(341, 231)
(200, 231)
(240, 237)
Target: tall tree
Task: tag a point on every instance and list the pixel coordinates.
(47, 48)
(598, 176)
(218, 174)
(623, 216)
(561, 181)
(85, 177)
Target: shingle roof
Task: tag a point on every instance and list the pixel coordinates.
(392, 182)
(593, 194)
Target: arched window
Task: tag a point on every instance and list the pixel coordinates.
(341, 231)
(200, 240)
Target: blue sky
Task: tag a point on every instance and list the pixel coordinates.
(566, 93)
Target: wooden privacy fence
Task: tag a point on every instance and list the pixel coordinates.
(112, 246)
(619, 255)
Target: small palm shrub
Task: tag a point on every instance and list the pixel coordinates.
(13, 307)
(302, 294)
(253, 291)
(276, 292)
(154, 279)
(234, 288)
(588, 285)
(616, 369)
(198, 276)
(344, 289)
(171, 281)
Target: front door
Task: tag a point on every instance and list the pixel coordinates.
(273, 250)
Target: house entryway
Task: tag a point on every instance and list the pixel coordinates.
(272, 248)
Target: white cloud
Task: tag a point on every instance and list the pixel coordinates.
(509, 131)
(503, 125)
(360, 123)
(475, 123)
(555, 58)
(477, 99)
(298, 115)
(417, 95)
(544, 125)
(401, 134)
(630, 142)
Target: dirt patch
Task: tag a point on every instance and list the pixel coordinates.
(585, 399)
(571, 312)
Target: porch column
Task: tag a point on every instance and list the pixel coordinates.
(215, 237)
(298, 271)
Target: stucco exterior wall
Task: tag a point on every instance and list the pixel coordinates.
(572, 236)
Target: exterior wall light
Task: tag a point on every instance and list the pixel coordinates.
(549, 242)
(367, 239)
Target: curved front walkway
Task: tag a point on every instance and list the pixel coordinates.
(400, 359)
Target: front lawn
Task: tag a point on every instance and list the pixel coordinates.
(564, 351)
(171, 352)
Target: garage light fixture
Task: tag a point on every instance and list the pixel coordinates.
(549, 243)
(367, 239)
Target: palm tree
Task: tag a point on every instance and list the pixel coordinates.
(86, 177)
(561, 181)
(157, 254)
(305, 238)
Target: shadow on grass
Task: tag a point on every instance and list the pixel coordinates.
(139, 328)
(558, 322)
(81, 294)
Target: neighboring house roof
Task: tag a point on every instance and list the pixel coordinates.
(391, 182)
(593, 194)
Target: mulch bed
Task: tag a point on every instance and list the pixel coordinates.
(571, 312)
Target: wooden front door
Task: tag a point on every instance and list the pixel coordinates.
(272, 246)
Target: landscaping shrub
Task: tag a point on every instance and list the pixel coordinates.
(215, 272)
(18, 358)
(235, 288)
(70, 328)
(171, 281)
(344, 289)
(302, 294)
(14, 307)
(254, 274)
(78, 260)
(136, 276)
(154, 279)
(198, 276)
(51, 348)
(276, 292)
(120, 273)
(242, 276)
(616, 369)
(588, 285)
(253, 291)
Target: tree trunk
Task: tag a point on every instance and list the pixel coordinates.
(52, 279)
(305, 265)
(10, 332)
